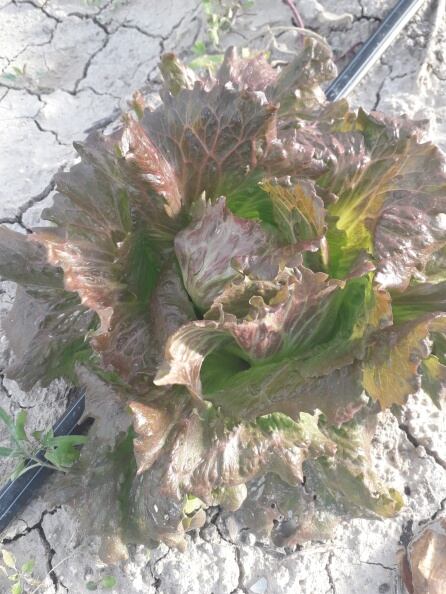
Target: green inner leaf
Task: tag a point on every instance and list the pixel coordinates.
(219, 367)
(142, 267)
(246, 199)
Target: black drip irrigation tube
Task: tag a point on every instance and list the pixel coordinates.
(17, 493)
(373, 49)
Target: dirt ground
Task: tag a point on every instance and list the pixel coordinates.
(70, 65)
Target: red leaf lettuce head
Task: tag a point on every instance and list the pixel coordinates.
(241, 277)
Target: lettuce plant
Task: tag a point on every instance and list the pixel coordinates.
(242, 278)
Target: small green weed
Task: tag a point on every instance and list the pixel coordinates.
(108, 582)
(20, 577)
(59, 452)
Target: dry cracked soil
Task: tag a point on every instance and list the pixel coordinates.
(69, 66)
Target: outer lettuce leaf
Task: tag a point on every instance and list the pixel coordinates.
(436, 267)
(117, 204)
(318, 151)
(113, 262)
(350, 480)
(273, 443)
(392, 207)
(176, 75)
(154, 422)
(433, 380)
(97, 487)
(295, 87)
(126, 346)
(90, 241)
(47, 325)
(391, 368)
(151, 182)
(334, 489)
(122, 169)
(210, 137)
(195, 461)
(46, 334)
(254, 73)
(419, 299)
(137, 333)
(24, 263)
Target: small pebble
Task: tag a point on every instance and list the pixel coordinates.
(259, 587)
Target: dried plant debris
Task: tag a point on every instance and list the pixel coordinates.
(241, 277)
(424, 567)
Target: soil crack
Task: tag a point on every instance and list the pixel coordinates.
(329, 574)
(377, 563)
(50, 553)
(241, 571)
(88, 64)
(48, 131)
(40, 7)
(28, 529)
(429, 451)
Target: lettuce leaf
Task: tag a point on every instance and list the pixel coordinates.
(293, 320)
(47, 325)
(335, 488)
(206, 250)
(391, 371)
